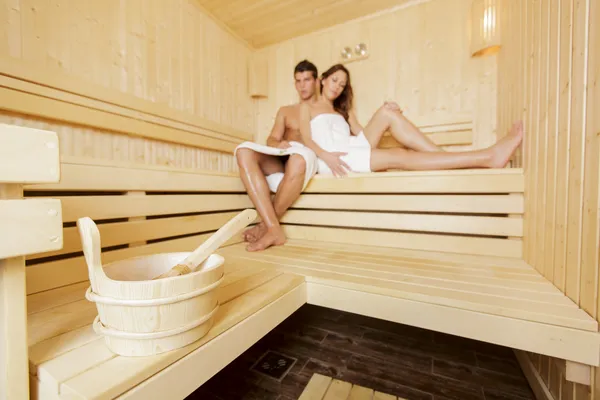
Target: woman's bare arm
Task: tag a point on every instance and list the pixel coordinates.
(355, 127)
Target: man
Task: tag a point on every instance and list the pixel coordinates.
(284, 166)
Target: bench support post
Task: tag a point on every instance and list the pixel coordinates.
(14, 368)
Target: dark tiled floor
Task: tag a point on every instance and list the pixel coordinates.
(392, 358)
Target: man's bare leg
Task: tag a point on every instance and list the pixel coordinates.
(254, 180)
(288, 191)
(404, 131)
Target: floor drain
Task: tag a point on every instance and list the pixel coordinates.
(274, 365)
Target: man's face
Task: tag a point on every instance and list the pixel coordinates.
(305, 84)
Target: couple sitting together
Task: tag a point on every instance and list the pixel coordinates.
(321, 134)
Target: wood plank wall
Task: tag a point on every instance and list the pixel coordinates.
(168, 53)
(549, 68)
(419, 57)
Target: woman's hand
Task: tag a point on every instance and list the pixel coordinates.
(392, 105)
(335, 163)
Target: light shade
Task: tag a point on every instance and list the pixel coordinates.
(485, 27)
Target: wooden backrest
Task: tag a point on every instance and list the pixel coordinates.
(463, 211)
(138, 211)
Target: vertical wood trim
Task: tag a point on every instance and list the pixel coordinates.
(576, 159)
(553, 113)
(564, 134)
(542, 135)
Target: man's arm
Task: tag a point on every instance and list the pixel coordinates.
(276, 137)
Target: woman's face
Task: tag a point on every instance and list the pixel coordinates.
(334, 85)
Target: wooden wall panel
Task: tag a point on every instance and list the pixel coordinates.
(559, 58)
(168, 54)
(166, 51)
(418, 56)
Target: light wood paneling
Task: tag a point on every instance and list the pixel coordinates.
(267, 22)
(557, 54)
(418, 57)
(94, 146)
(165, 51)
(164, 74)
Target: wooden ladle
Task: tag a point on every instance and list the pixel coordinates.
(191, 262)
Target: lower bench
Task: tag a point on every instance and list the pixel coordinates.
(497, 300)
(69, 360)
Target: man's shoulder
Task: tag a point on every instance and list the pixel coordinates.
(289, 109)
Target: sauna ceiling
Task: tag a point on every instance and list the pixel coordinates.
(264, 22)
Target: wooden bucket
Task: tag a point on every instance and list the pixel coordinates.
(139, 316)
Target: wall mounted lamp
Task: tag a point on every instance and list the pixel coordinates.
(485, 31)
(360, 52)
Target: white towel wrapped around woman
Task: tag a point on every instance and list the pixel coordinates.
(275, 179)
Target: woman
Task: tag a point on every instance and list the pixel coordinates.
(331, 130)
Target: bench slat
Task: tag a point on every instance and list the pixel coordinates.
(455, 181)
(58, 320)
(53, 298)
(62, 344)
(468, 204)
(132, 177)
(463, 260)
(70, 364)
(416, 241)
(110, 207)
(444, 261)
(118, 233)
(471, 225)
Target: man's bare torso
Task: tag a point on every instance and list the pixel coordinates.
(292, 125)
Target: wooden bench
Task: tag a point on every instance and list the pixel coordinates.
(439, 250)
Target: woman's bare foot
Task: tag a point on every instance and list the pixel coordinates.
(251, 235)
(273, 237)
(505, 147)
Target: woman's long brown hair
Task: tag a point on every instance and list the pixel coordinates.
(343, 103)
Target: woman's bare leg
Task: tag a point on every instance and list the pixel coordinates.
(496, 156)
(405, 132)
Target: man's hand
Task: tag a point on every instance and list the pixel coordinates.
(284, 144)
(335, 163)
(392, 105)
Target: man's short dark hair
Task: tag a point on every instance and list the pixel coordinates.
(306, 65)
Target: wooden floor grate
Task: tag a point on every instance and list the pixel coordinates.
(322, 387)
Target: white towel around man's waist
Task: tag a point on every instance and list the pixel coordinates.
(295, 148)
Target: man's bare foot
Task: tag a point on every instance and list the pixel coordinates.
(251, 235)
(505, 147)
(273, 237)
